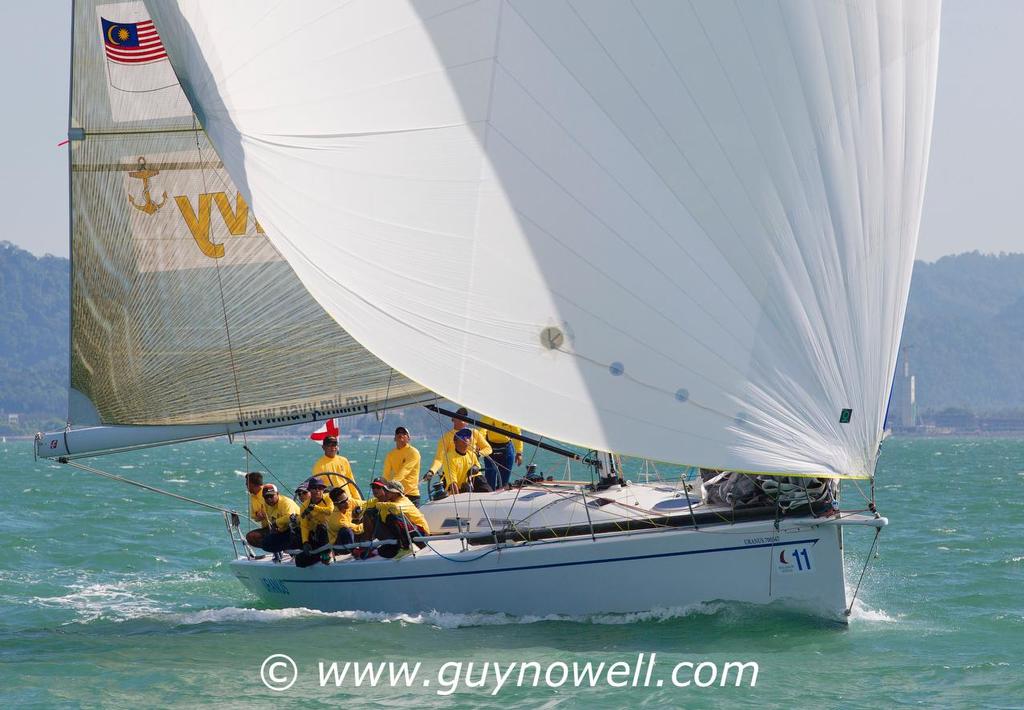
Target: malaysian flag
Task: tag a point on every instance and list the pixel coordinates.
(132, 42)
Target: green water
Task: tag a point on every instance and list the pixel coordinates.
(112, 596)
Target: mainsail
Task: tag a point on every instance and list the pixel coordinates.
(682, 230)
(184, 314)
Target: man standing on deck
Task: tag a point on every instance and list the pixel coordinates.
(446, 444)
(336, 469)
(505, 450)
(402, 464)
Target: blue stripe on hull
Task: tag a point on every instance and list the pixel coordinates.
(545, 566)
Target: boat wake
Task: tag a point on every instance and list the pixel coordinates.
(444, 620)
(861, 612)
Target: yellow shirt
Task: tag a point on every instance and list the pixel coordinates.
(333, 469)
(339, 519)
(446, 447)
(404, 506)
(319, 515)
(256, 506)
(494, 437)
(403, 465)
(278, 515)
(456, 468)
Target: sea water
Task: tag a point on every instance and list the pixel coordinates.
(115, 596)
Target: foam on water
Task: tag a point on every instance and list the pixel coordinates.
(444, 620)
(121, 600)
(861, 612)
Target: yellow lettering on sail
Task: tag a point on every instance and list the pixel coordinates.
(234, 219)
(200, 225)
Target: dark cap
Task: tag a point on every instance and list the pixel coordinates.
(330, 440)
(316, 483)
(465, 433)
(269, 490)
(462, 412)
(394, 487)
(379, 482)
(401, 430)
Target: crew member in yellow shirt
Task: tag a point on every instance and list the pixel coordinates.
(369, 510)
(446, 445)
(313, 523)
(402, 464)
(340, 528)
(461, 471)
(504, 450)
(399, 520)
(254, 486)
(282, 520)
(336, 470)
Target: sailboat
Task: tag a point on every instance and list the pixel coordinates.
(677, 231)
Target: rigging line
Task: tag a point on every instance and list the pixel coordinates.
(284, 486)
(867, 561)
(444, 465)
(223, 305)
(145, 486)
(380, 429)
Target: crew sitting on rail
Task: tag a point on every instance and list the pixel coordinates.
(340, 528)
(282, 520)
(302, 494)
(368, 513)
(402, 464)
(446, 444)
(254, 485)
(336, 470)
(313, 524)
(461, 471)
(399, 520)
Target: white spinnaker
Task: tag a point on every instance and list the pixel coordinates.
(716, 204)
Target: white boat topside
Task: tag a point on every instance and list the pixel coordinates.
(556, 504)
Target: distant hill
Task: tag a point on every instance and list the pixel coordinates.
(33, 335)
(964, 337)
(964, 332)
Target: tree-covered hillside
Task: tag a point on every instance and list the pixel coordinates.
(964, 335)
(964, 332)
(33, 335)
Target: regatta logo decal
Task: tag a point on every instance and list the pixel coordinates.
(794, 561)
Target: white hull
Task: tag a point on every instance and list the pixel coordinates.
(800, 565)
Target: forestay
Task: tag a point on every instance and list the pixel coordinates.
(681, 230)
(183, 312)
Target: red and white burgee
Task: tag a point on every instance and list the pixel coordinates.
(330, 428)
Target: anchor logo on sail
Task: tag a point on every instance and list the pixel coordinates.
(144, 174)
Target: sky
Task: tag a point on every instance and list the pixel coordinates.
(973, 199)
